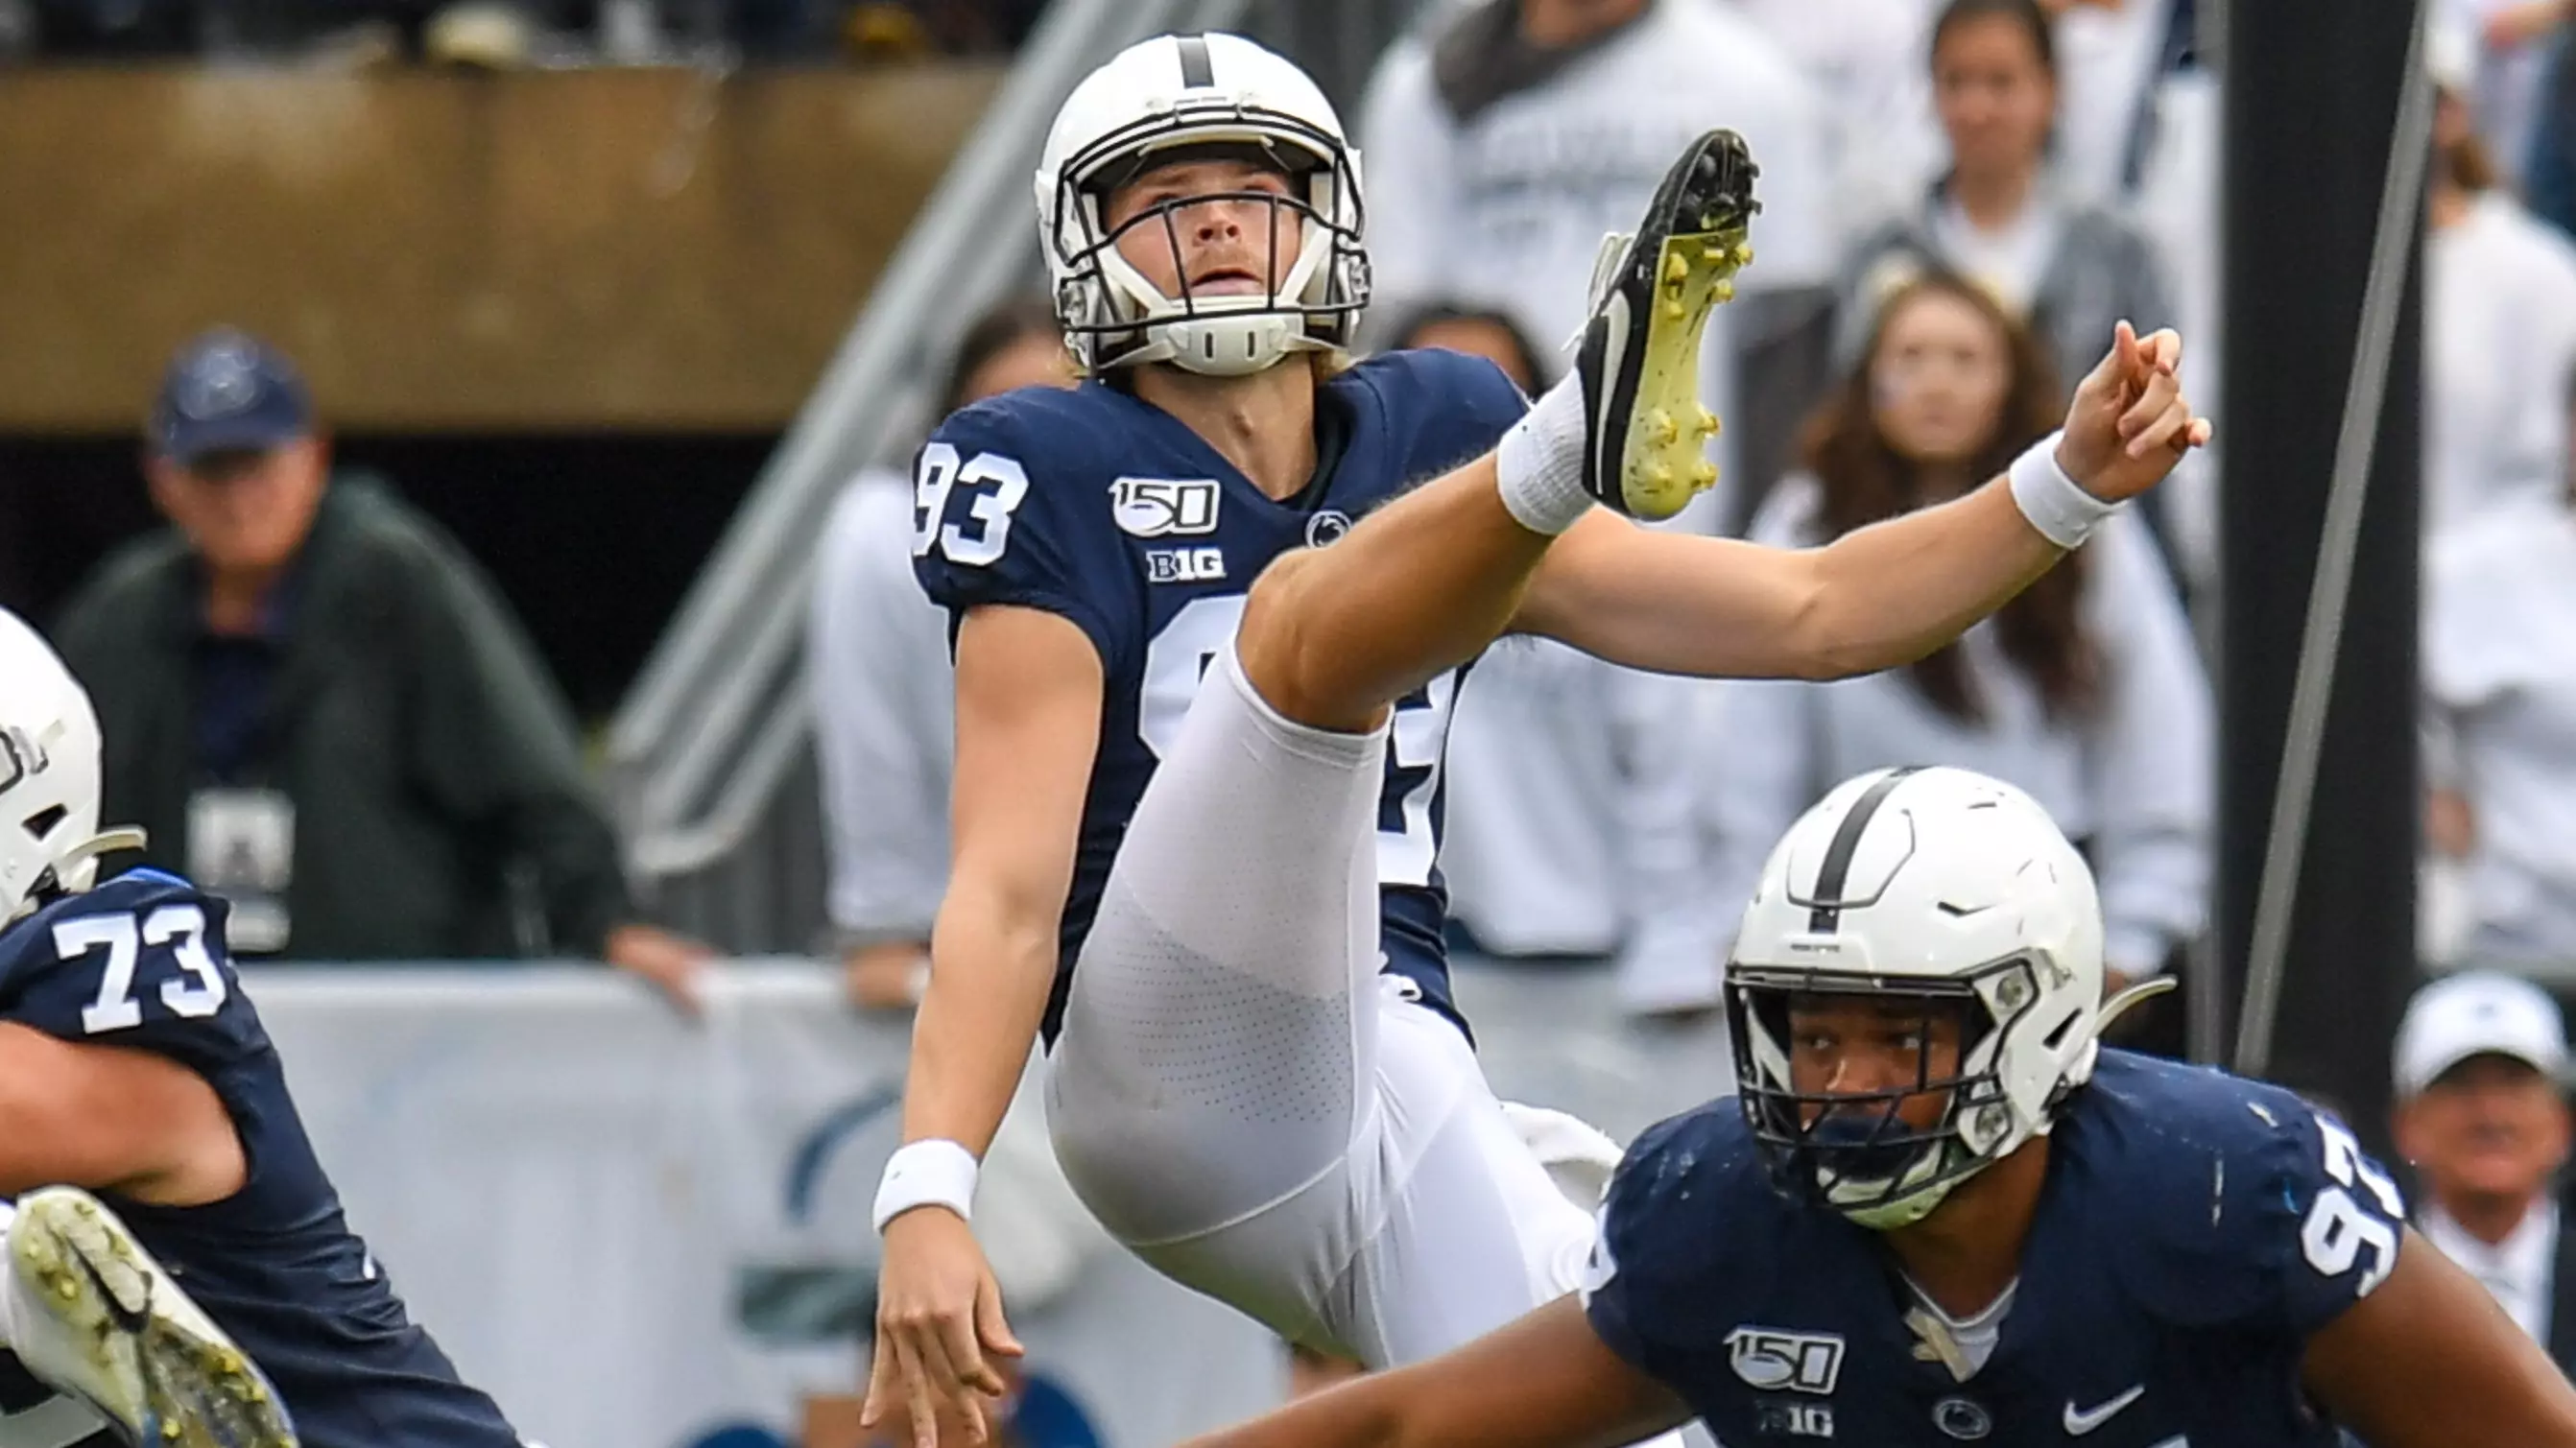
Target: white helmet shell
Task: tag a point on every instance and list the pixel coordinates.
(49, 775)
(1924, 883)
(1178, 91)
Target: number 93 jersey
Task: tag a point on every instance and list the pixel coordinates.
(1105, 510)
(140, 963)
(2193, 1230)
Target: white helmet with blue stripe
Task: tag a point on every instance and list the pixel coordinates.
(1166, 99)
(1941, 889)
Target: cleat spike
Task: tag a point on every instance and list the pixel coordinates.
(1703, 475)
(1708, 424)
(1660, 428)
(1675, 269)
(1744, 253)
(1674, 310)
(1724, 291)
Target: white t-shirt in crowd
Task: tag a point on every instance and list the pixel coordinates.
(884, 716)
(2499, 667)
(2500, 340)
(1508, 211)
(2516, 1271)
(2008, 261)
(1870, 62)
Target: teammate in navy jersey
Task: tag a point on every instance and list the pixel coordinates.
(1205, 655)
(132, 1065)
(1939, 1212)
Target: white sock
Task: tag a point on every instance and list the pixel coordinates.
(1538, 466)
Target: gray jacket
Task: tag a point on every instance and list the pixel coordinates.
(2103, 270)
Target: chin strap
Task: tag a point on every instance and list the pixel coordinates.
(49, 884)
(2119, 1005)
(123, 837)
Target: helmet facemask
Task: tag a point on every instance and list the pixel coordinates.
(1114, 317)
(1854, 1152)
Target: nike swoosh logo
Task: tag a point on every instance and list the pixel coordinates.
(2082, 1421)
(1608, 470)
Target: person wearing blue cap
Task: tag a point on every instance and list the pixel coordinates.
(321, 710)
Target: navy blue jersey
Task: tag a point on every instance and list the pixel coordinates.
(2194, 1229)
(140, 963)
(1093, 505)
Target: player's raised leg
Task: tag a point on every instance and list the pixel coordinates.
(1331, 636)
(92, 1314)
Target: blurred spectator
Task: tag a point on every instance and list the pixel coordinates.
(2481, 1116)
(913, 29)
(127, 29)
(1571, 821)
(2084, 690)
(1865, 59)
(2500, 320)
(318, 708)
(2499, 666)
(1493, 336)
(1501, 148)
(2070, 269)
(2113, 56)
(2549, 178)
(884, 716)
(2509, 47)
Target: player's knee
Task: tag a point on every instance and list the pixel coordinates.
(1284, 653)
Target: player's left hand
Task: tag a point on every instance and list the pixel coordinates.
(671, 963)
(2129, 422)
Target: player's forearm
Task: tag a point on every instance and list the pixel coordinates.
(991, 968)
(1361, 1413)
(1890, 593)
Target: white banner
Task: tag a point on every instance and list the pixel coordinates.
(639, 1231)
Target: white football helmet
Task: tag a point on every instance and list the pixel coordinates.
(1165, 99)
(1949, 890)
(49, 776)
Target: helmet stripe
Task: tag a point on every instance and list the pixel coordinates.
(1826, 911)
(1197, 73)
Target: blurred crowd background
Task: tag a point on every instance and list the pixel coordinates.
(464, 447)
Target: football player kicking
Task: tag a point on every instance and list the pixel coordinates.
(1209, 621)
(132, 1065)
(1940, 1212)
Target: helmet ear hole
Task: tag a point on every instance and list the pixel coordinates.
(43, 821)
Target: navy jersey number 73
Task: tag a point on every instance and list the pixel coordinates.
(1100, 508)
(139, 963)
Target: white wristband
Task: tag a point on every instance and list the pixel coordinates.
(930, 1173)
(2055, 504)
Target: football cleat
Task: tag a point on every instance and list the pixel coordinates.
(91, 1315)
(1644, 428)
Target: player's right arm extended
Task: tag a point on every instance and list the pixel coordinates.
(1029, 688)
(1546, 1381)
